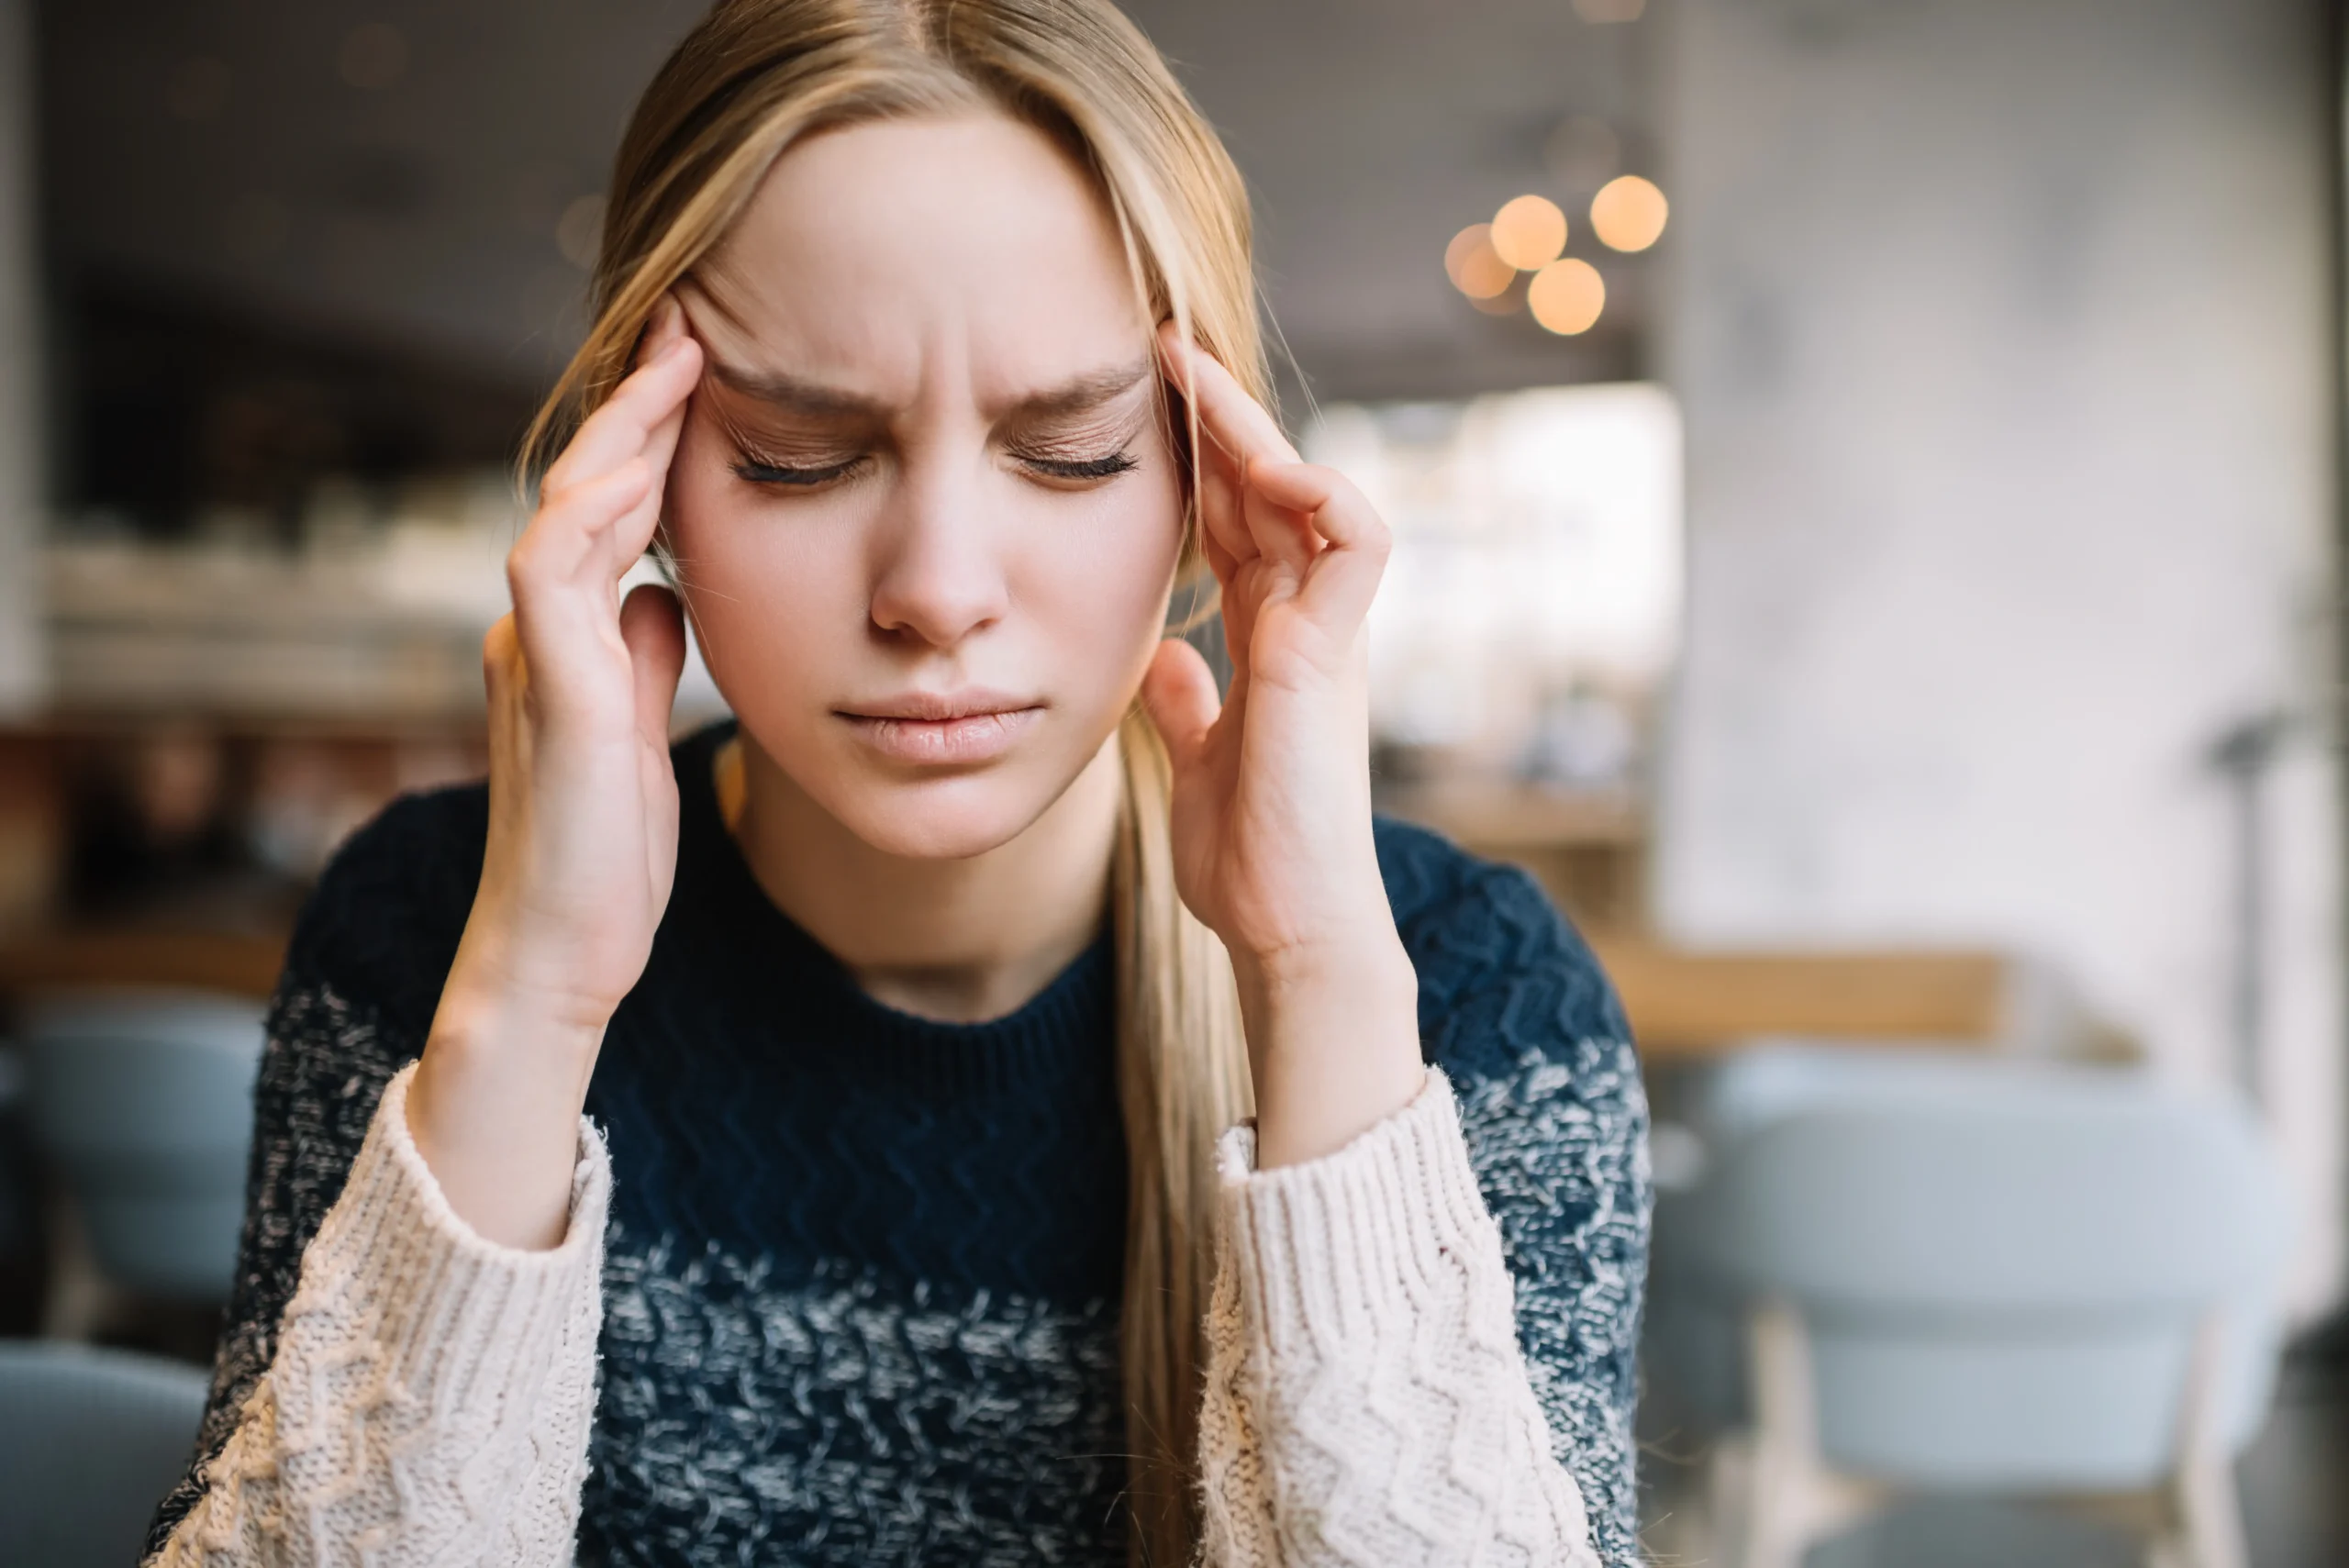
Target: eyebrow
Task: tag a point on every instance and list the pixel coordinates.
(813, 399)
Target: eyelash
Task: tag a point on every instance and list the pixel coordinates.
(759, 472)
(1089, 469)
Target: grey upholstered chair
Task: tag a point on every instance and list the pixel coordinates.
(143, 1102)
(1998, 1277)
(90, 1441)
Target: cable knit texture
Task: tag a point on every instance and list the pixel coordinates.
(1366, 1401)
(842, 1284)
(430, 1396)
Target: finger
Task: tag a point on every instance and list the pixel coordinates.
(1219, 505)
(1279, 532)
(653, 627)
(1243, 433)
(1242, 602)
(636, 531)
(1226, 572)
(664, 326)
(501, 662)
(570, 540)
(1219, 560)
(561, 585)
(1232, 419)
(1343, 578)
(1178, 693)
(620, 430)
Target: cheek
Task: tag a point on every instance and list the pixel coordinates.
(766, 605)
(1098, 589)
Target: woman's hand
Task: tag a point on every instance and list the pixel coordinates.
(1272, 832)
(583, 815)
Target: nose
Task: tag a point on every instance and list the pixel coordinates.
(939, 578)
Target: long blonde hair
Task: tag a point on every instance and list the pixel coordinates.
(751, 78)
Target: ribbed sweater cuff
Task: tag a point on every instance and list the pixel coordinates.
(464, 1323)
(1333, 1239)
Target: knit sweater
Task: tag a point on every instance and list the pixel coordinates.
(841, 1285)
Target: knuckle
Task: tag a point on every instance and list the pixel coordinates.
(501, 652)
(522, 567)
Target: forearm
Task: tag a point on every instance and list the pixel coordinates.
(431, 1392)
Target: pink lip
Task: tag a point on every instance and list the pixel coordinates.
(954, 728)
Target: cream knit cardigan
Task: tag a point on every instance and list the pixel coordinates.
(1366, 1402)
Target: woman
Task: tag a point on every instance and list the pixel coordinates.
(913, 1215)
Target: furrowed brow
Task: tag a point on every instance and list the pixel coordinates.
(793, 395)
(1085, 392)
(811, 399)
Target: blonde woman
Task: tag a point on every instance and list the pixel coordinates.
(997, 1103)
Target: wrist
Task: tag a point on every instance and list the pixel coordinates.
(1333, 1043)
(502, 983)
(489, 1016)
(1368, 960)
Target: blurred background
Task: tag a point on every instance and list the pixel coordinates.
(1867, 476)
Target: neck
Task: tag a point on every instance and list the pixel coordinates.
(960, 940)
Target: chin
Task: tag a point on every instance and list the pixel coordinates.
(941, 819)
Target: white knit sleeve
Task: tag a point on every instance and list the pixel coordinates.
(431, 1395)
(1366, 1402)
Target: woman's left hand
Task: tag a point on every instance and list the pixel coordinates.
(1272, 834)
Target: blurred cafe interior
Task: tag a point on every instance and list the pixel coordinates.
(1867, 485)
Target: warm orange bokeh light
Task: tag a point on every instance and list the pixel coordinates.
(1529, 232)
(1474, 268)
(1567, 297)
(1629, 213)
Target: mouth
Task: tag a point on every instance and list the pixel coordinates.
(942, 728)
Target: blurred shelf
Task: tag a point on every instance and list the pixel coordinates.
(238, 963)
(139, 630)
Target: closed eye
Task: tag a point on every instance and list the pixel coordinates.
(1065, 470)
(1090, 468)
(758, 472)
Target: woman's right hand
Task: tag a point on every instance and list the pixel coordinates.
(583, 816)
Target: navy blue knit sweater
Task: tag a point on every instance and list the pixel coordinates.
(862, 1272)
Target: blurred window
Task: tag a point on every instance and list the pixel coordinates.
(1531, 610)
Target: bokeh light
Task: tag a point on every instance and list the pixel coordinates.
(1529, 232)
(1474, 268)
(1567, 297)
(1629, 213)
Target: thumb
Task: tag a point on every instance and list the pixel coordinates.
(653, 627)
(1178, 693)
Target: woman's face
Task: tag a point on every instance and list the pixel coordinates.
(925, 511)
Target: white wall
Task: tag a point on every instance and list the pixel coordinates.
(23, 489)
(2000, 329)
